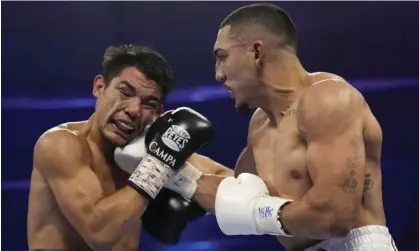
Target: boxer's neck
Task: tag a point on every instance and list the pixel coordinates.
(284, 82)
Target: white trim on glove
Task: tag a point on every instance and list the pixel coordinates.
(266, 214)
(184, 182)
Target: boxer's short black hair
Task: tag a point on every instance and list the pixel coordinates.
(147, 60)
(268, 16)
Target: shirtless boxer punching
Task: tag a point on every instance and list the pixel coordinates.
(79, 199)
(310, 173)
(313, 143)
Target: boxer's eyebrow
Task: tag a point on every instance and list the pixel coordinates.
(128, 85)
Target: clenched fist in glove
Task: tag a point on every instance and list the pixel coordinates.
(170, 140)
(243, 207)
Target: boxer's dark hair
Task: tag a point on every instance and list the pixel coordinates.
(147, 60)
(268, 16)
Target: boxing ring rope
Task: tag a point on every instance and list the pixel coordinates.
(189, 95)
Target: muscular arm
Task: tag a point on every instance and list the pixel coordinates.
(330, 118)
(213, 174)
(101, 220)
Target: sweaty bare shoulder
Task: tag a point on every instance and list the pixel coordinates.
(323, 76)
(333, 99)
(58, 146)
(258, 118)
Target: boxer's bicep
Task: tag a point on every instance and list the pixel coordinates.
(330, 118)
(76, 195)
(329, 209)
(76, 188)
(337, 169)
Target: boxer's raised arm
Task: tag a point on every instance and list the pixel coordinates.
(330, 118)
(101, 220)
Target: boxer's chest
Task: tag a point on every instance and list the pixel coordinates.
(280, 158)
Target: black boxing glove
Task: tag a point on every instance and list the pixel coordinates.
(171, 139)
(168, 215)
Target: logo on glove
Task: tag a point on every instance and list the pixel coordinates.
(176, 138)
(265, 212)
(178, 182)
(167, 158)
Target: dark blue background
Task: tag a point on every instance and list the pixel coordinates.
(51, 52)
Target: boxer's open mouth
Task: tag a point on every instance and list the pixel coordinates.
(125, 127)
(229, 90)
(231, 93)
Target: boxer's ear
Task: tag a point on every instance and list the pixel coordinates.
(258, 51)
(98, 85)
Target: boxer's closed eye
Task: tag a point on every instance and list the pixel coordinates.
(126, 89)
(124, 92)
(151, 101)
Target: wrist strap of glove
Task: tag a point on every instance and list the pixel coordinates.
(266, 212)
(190, 172)
(184, 182)
(150, 176)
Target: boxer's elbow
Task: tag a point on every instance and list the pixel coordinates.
(336, 220)
(97, 240)
(98, 235)
(342, 220)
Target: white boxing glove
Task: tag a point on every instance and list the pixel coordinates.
(129, 156)
(243, 207)
(184, 182)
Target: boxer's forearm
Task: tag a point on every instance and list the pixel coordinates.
(209, 166)
(306, 218)
(207, 184)
(207, 190)
(116, 214)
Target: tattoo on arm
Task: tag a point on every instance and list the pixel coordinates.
(350, 183)
(368, 182)
(352, 160)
